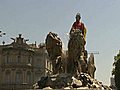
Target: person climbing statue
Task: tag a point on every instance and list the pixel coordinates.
(79, 25)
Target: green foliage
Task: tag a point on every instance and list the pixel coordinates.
(113, 71)
(116, 70)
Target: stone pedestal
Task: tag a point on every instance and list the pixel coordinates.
(66, 81)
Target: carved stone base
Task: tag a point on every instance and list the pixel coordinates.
(62, 81)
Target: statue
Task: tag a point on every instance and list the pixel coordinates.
(91, 65)
(76, 62)
(77, 55)
(78, 24)
(54, 49)
(77, 71)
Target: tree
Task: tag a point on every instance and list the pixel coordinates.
(116, 70)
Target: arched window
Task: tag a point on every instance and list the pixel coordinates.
(29, 77)
(8, 76)
(19, 77)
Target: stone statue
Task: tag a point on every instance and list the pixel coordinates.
(76, 62)
(76, 71)
(54, 49)
(91, 65)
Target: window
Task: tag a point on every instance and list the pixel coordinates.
(8, 76)
(29, 77)
(37, 75)
(19, 57)
(19, 77)
(7, 57)
(38, 63)
(10, 58)
(30, 59)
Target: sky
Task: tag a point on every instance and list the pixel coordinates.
(35, 18)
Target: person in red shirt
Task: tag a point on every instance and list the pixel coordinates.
(79, 25)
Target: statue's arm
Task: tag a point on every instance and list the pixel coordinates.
(72, 28)
(85, 31)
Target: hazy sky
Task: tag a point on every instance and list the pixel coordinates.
(35, 18)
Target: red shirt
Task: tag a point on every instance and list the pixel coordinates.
(78, 25)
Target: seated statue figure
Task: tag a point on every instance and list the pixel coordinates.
(76, 47)
(79, 25)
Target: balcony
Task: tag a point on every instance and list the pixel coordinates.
(16, 64)
(13, 86)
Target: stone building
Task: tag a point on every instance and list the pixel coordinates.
(22, 64)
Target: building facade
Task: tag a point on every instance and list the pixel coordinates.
(22, 64)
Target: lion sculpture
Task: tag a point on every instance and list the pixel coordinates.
(54, 49)
(76, 62)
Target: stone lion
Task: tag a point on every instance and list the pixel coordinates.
(54, 49)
